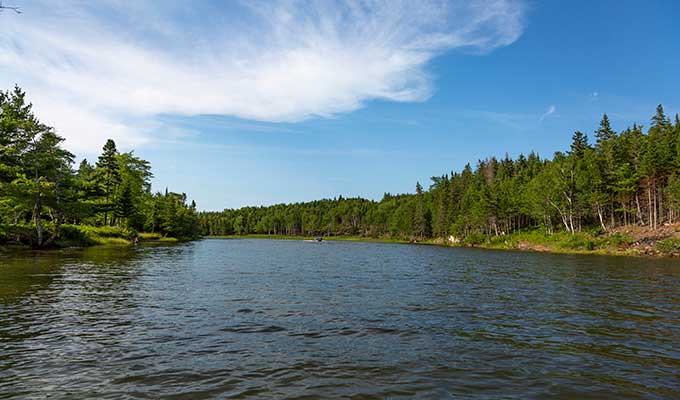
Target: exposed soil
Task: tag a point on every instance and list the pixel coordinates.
(645, 238)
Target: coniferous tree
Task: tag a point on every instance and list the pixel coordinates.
(579, 143)
(107, 167)
(125, 207)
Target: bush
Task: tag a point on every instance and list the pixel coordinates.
(668, 245)
(475, 238)
(75, 235)
(619, 240)
(576, 241)
(18, 234)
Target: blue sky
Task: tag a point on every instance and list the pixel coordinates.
(254, 103)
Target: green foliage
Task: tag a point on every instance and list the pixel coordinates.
(83, 235)
(618, 240)
(668, 245)
(573, 200)
(40, 191)
(17, 234)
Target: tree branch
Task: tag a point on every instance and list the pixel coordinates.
(15, 9)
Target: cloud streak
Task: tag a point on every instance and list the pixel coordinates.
(111, 68)
(550, 111)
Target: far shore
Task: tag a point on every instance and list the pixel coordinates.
(632, 242)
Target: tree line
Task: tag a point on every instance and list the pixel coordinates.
(619, 178)
(40, 191)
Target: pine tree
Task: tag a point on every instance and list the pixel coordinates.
(659, 119)
(125, 207)
(419, 221)
(107, 167)
(604, 134)
(579, 143)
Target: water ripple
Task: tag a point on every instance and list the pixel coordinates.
(283, 320)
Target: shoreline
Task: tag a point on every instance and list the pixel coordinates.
(100, 242)
(511, 243)
(613, 244)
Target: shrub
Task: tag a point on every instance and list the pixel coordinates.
(475, 238)
(668, 245)
(619, 240)
(19, 234)
(75, 235)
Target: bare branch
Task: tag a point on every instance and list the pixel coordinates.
(3, 7)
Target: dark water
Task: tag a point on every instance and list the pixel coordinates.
(288, 319)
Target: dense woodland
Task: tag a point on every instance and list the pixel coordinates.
(42, 197)
(618, 178)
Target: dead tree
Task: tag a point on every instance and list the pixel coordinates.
(4, 7)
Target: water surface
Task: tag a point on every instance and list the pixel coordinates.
(289, 319)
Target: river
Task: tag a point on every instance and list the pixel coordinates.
(296, 320)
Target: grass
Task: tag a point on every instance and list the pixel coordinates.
(149, 236)
(561, 242)
(80, 235)
(84, 235)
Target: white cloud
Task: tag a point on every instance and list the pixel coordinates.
(109, 68)
(551, 110)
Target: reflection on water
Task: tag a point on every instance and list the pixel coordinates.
(285, 319)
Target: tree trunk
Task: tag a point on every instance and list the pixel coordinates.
(639, 210)
(649, 207)
(599, 214)
(654, 206)
(660, 205)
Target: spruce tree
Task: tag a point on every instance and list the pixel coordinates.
(579, 143)
(107, 167)
(419, 221)
(659, 119)
(124, 205)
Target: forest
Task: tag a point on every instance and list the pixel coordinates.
(616, 179)
(45, 202)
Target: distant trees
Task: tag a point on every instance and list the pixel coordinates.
(39, 190)
(630, 177)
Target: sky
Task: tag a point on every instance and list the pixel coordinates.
(262, 102)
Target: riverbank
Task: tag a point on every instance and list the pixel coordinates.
(625, 241)
(17, 236)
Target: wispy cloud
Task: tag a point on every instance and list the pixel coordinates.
(550, 111)
(110, 68)
(594, 97)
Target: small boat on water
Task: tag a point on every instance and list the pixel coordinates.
(315, 240)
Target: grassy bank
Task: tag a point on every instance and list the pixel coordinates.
(80, 236)
(628, 241)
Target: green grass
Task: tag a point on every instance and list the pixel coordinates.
(560, 241)
(84, 235)
(112, 241)
(79, 236)
(150, 236)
